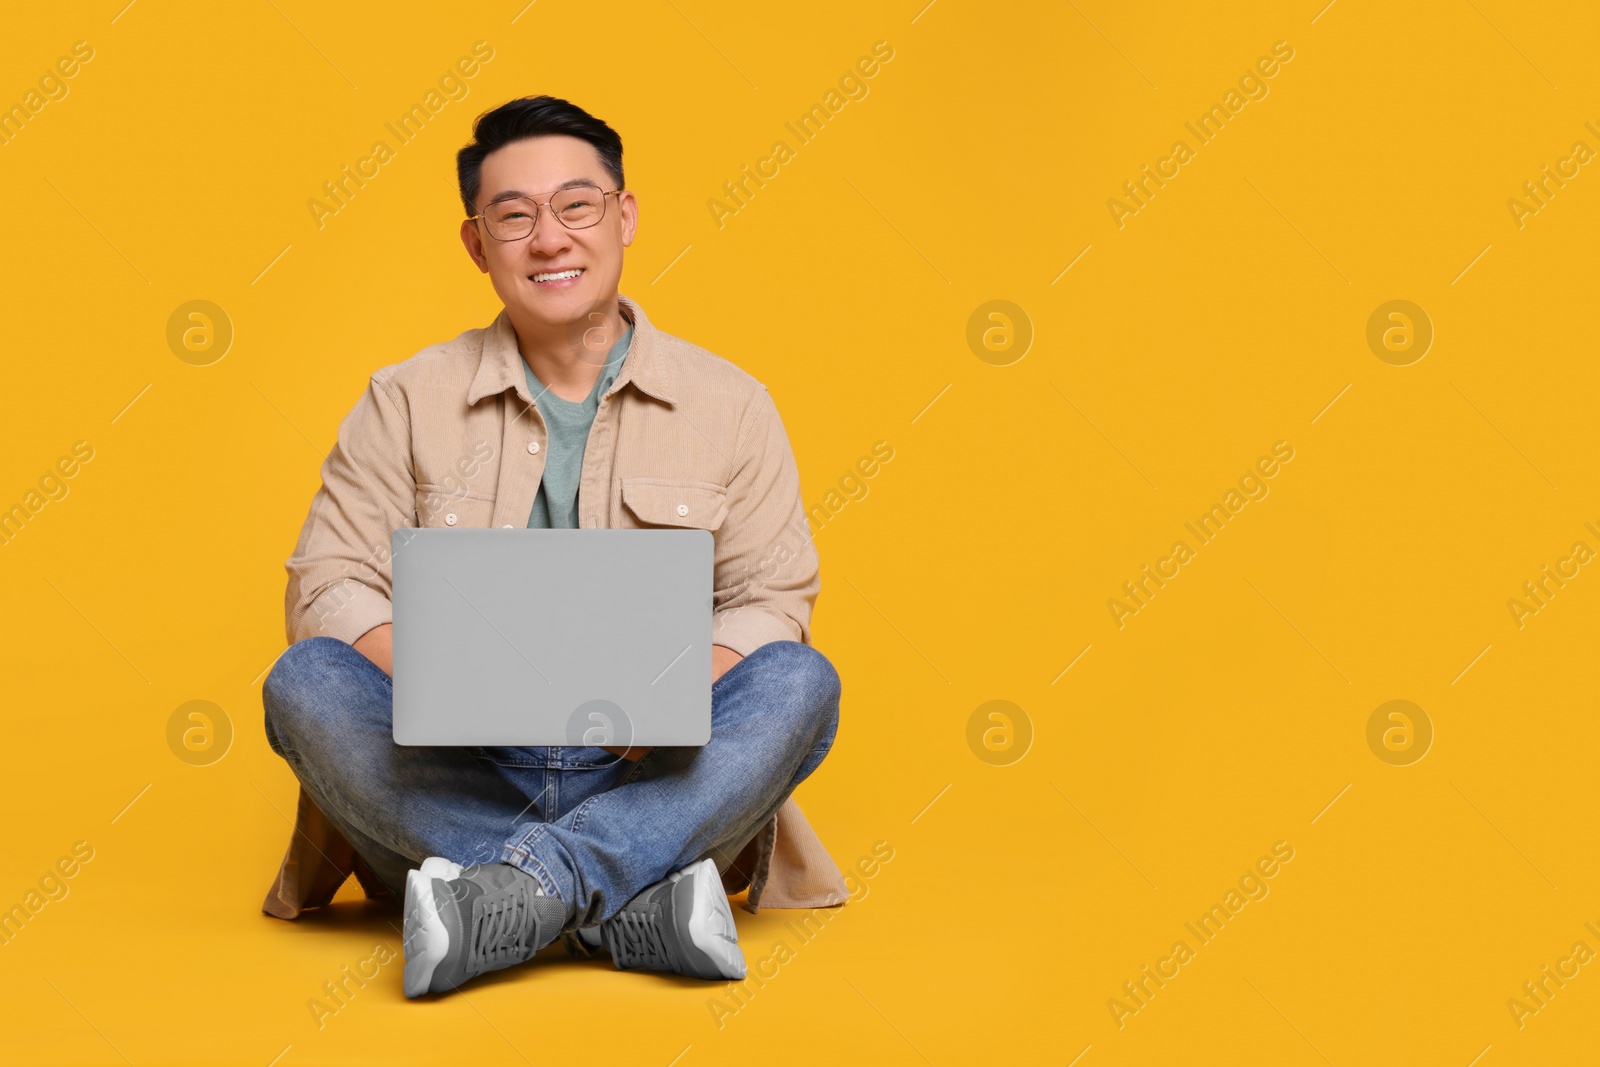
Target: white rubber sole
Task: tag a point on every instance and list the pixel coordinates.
(711, 922)
(426, 940)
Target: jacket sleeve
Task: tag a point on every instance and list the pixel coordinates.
(767, 570)
(339, 574)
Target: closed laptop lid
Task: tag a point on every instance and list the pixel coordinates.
(552, 637)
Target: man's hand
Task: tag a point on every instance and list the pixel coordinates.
(722, 658)
(377, 644)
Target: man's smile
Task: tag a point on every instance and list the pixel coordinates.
(560, 279)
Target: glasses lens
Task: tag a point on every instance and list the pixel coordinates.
(510, 220)
(579, 207)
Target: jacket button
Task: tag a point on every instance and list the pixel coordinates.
(450, 519)
(683, 509)
(533, 448)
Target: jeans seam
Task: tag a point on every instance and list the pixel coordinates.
(543, 874)
(552, 786)
(277, 743)
(482, 752)
(526, 841)
(638, 768)
(582, 810)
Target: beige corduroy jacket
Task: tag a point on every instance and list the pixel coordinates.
(450, 437)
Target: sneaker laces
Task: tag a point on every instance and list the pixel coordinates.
(503, 926)
(635, 939)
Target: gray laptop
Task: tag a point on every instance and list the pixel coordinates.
(552, 637)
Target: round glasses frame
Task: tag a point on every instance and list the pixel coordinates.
(545, 206)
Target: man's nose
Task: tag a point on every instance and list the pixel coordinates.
(549, 236)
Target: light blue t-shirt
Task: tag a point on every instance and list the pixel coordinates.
(555, 506)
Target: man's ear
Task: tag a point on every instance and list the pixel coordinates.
(629, 207)
(474, 243)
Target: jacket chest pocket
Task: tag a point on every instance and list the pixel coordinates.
(437, 506)
(665, 502)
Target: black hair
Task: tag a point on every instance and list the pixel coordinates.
(533, 116)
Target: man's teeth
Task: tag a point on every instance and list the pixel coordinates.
(558, 277)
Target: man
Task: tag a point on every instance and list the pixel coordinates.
(570, 410)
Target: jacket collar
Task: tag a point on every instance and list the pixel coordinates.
(500, 365)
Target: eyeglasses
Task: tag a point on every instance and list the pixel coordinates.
(576, 208)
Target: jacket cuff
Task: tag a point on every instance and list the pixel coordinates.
(345, 610)
(745, 629)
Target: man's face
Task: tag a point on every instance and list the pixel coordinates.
(536, 167)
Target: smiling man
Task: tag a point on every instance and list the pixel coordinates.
(571, 409)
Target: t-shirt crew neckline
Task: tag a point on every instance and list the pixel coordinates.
(608, 373)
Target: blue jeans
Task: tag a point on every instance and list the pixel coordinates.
(594, 829)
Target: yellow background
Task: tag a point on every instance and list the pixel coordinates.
(1223, 317)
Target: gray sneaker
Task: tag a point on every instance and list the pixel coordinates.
(682, 924)
(462, 922)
